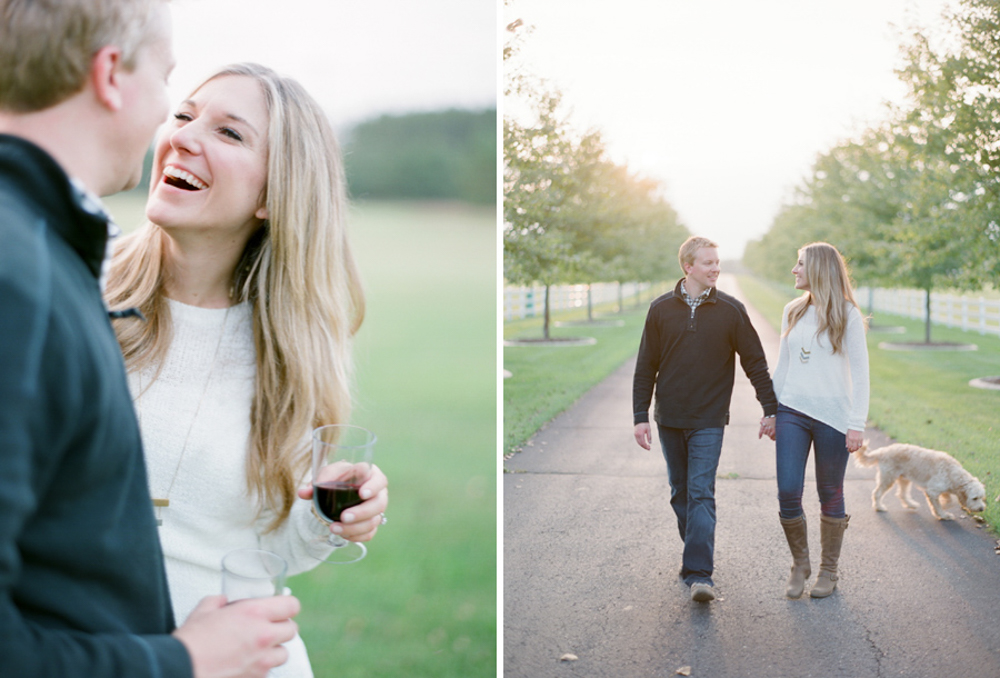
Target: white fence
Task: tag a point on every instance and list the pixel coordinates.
(968, 313)
(529, 302)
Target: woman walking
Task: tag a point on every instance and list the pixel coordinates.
(821, 382)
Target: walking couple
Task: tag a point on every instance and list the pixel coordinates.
(818, 399)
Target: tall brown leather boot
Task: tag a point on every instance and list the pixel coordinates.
(831, 537)
(798, 543)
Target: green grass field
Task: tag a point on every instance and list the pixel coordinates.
(923, 397)
(547, 379)
(424, 602)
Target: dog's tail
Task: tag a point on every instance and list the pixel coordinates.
(862, 458)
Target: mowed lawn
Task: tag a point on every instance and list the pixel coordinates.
(423, 603)
(546, 379)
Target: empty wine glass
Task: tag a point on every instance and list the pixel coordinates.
(253, 573)
(341, 463)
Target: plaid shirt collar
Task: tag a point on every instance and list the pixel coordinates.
(697, 301)
(90, 203)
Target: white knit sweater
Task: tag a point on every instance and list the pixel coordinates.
(831, 388)
(202, 411)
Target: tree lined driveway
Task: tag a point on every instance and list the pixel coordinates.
(591, 555)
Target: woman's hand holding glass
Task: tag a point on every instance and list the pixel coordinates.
(342, 475)
(358, 523)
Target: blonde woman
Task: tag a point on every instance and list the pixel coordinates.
(250, 295)
(822, 386)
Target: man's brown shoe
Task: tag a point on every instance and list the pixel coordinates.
(702, 593)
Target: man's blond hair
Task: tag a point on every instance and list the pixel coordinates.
(46, 46)
(690, 248)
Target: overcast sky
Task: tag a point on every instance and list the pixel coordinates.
(359, 58)
(728, 102)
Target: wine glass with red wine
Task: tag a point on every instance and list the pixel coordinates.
(341, 463)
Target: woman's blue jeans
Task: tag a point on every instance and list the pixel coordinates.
(692, 457)
(795, 433)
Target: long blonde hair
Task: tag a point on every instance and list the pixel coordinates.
(830, 292)
(299, 275)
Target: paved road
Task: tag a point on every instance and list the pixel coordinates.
(591, 554)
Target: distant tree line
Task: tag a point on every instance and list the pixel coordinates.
(448, 155)
(914, 201)
(571, 214)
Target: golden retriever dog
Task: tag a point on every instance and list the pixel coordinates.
(937, 473)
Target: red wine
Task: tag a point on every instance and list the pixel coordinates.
(333, 497)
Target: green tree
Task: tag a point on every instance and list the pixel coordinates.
(915, 202)
(443, 155)
(955, 113)
(883, 201)
(571, 214)
(544, 199)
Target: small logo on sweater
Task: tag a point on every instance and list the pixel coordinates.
(804, 355)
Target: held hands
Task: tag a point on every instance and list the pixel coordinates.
(643, 435)
(361, 522)
(766, 428)
(238, 640)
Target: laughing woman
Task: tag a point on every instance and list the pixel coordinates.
(251, 298)
(821, 382)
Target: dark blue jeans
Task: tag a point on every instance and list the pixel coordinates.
(795, 433)
(692, 457)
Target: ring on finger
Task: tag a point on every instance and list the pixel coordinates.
(383, 520)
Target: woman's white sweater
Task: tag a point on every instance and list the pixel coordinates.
(829, 387)
(195, 423)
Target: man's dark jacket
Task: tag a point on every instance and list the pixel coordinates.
(82, 587)
(689, 357)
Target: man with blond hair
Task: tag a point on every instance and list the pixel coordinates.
(82, 585)
(687, 355)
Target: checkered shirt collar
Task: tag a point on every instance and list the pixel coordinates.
(696, 301)
(92, 204)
